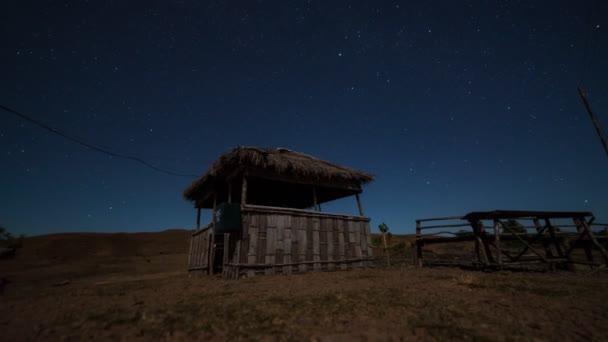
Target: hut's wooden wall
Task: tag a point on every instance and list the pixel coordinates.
(288, 241)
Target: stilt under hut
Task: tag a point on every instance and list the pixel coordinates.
(267, 218)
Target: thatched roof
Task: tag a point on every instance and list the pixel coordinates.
(278, 164)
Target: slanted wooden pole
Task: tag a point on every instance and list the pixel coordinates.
(602, 250)
(594, 119)
(546, 246)
(212, 249)
(314, 198)
(359, 204)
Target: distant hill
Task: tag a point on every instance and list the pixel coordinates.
(74, 246)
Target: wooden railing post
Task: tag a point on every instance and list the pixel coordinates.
(497, 242)
(418, 243)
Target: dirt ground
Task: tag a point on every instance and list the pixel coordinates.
(134, 287)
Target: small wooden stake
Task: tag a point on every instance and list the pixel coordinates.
(388, 259)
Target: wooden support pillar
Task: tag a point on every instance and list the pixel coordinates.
(314, 198)
(212, 247)
(244, 191)
(198, 218)
(497, 242)
(360, 207)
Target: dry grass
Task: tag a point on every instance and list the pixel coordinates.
(140, 300)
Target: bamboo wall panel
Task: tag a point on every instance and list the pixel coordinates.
(274, 242)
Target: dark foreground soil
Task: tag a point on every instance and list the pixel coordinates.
(147, 295)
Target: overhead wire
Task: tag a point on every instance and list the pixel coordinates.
(91, 146)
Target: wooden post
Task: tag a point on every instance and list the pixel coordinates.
(359, 205)
(418, 243)
(244, 191)
(229, 192)
(212, 247)
(198, 218)
(593, 238)
(314, 198)
(497, 242)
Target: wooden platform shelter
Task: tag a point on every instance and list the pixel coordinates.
(267, 218)
(508, 238)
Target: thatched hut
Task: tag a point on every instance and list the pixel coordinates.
(267, 215)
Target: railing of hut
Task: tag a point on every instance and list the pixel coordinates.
(549, 241)
(275, 240)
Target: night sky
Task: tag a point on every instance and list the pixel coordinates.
(455, 106)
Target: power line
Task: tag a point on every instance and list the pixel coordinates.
(591, 39)
(92, 147)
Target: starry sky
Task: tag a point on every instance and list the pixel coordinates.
(455, 106)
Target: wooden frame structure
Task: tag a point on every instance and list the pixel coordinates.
(282, 229)
(552, 238)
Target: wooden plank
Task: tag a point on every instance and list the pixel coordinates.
(323, 239)
(287, 249)
(198, 249)
(358, 251)
(270, 248)
(226, 256)
(364, 245)
(302, 243)
(316, 244)
(260, 209)
(272, 220)
(253, 243)
(341, 244)
(330, 248)
(236, 259)
(351, 231)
